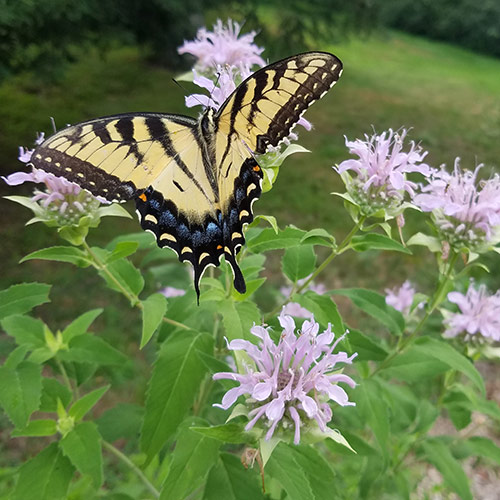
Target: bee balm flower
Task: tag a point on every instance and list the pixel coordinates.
(292, 381)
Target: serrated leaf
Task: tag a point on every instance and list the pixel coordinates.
(92, 349)
(375, 241)
(19, 299)
(16, 357)
(192, 459)
(229, 480)
(80, 325)
(44, 477)
(238, 318)
(52, 390)
(438, 454)
(82, 446)
(153, 310)
(81, 407)
(122, 249)
(374, 304)
(298, 262)
(126, 274)
(228, 433)
(176, 378)
(71, 255)
(20, 391)
(122, 421)
(26, 330)
(42, 427)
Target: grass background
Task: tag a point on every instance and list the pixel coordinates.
(449, 97)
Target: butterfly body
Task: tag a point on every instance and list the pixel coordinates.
(194, 181)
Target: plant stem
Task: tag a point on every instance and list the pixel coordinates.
(132, 297)
(64, 375)
(117, 453)
(334, 253)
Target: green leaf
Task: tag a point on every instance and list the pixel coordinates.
(176, 378)
(302, 472)
(37, 428)
(438, 454)
(122, 421)
(81, 407)
(269, 219)
(318, 236)
(373, 409)
(483, 447)
(71, 255)
(153, 310)
(238, 318)
(375, 241)
(92, 349)
(16, 357)
(373, 303)
(122, 249)
(432, 243)
(366, 347)
(53, 390)
(444, 352)
(192, 459)
(126, 274)
(80, 325)
(82, 446)
(20, 391)
(298, 262)
(229, 480)
(19, 299)
(228, 433)
(113, 210)
(44, 477)
(267, 239)
(412, 365)
(324, 309)
(26, 330)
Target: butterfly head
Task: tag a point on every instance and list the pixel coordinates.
(207, 123)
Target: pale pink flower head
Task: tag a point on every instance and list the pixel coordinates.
(479, 316)
(227, 78)
(61, 202)
(376, 180)
(401, 298)
(171, 291)
(223, 46)
(466, 210)
(291, 381)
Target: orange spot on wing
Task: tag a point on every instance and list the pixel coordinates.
(256, 168)
(143, 197)
(219, 247)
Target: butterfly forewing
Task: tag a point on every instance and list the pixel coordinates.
(268, 104)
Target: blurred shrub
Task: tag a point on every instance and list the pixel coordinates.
(468, 23)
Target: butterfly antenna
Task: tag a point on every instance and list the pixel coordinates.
(186, 91)
(54, 128)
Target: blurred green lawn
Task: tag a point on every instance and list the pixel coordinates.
(448, 96)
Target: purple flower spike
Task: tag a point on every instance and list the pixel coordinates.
(401, 298)
(292, 380)
(377, 178)
(466, 211)
(223, 46)
(479, 315)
